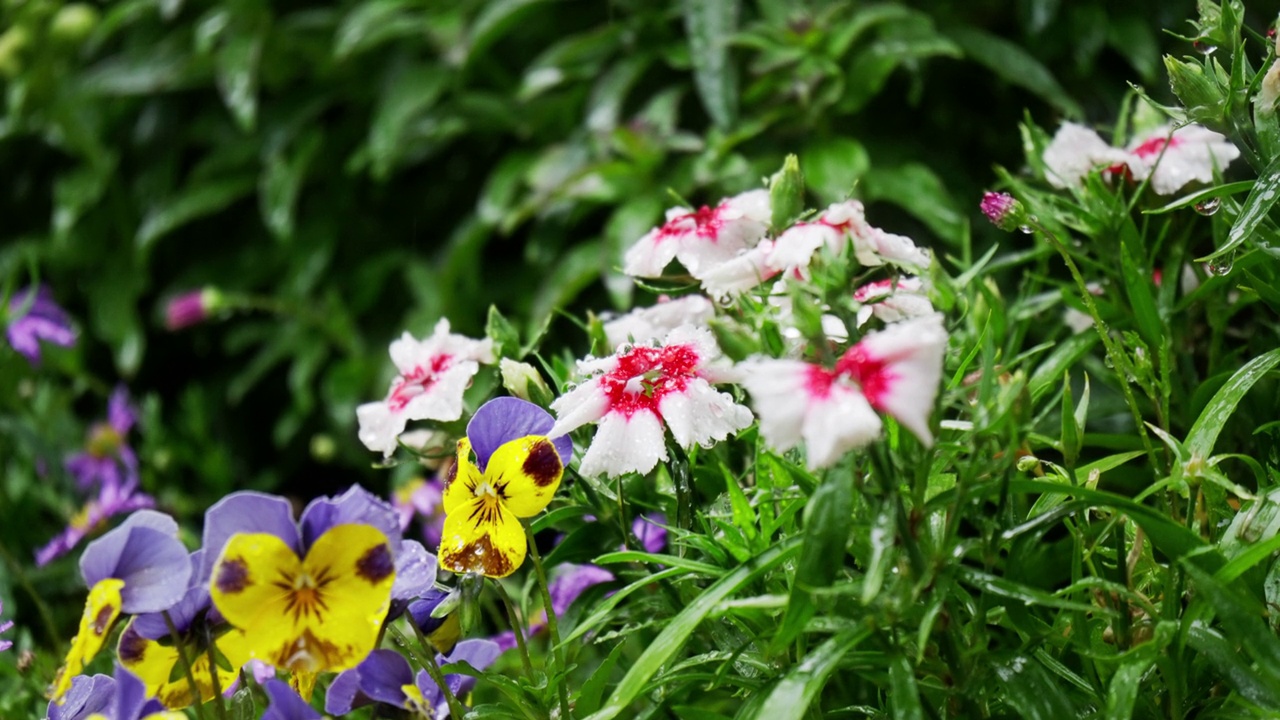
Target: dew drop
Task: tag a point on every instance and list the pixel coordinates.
(1024, 229)
(1209, 206)
(1221, 266)
(1204, 48)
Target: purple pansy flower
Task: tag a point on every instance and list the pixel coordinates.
(107, 458)
(386, 677)
(121, 698)
(111, 501)
(569, 583)
(33, 317)
(286, 704)
(649, 530)
(507, 418)
(425, 498)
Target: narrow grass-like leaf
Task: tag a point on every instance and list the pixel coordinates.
(1241, 616)
(828, 519)
(678, 628)
(1257, 206)
(625, 556)
(710, 25)
(903, 693)
(791, 697)
(606, 606)
(1064, 356)
(1222, 654)
(1032, 691)
(1204, 433)
(1201, 195)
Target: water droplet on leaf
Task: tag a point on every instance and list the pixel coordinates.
(1209, 206)
(1204, 47)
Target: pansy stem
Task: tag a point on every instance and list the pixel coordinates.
(516, 628)
(186, 663)
(553, 628)
(429, 663)
(218, 701)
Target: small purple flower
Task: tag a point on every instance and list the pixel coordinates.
(191, 308)
(107, 458)
(287, 704)
(33, 317)
(1003, 210)
(649, 530)
(386, 677)
(425, 498)
(111, 501)
(4, 627)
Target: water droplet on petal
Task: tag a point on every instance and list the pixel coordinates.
(1209, 206)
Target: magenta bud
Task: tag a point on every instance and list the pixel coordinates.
(1003, 210)
(191, 308)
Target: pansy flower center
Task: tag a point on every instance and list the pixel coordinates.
(104, 441)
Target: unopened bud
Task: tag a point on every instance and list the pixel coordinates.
(1028, 463)
(1003, 210)
(192, 308)
(1204, 94)
(525, 382)
(786, 193)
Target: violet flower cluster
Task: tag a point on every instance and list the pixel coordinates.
(34, 318)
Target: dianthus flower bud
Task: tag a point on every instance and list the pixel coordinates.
(1003, 210)
(192, 308)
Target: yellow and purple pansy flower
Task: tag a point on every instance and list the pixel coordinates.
(385, 677)
(140, 567)
(99, 697)
(515, 474)
(311, 596)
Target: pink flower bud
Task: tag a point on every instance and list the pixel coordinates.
(191, 308)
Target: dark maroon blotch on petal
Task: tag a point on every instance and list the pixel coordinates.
(233, 575)
(376, 564)
(132, 646)
(543, 463)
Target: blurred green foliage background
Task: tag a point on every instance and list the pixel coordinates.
(345, 171)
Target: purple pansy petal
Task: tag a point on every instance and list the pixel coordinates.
(479, 654)
(420, 610)
(504, 419)
(88, 695)
(152, 625)
(415, 571)
(155, 568)
(102, 557)
(131, 695)
(286, 704)
(344, 694)
(572, 581)
(120, 414)
(356, 505)
(431, 695)
(246, 511)
(40, 319)
(383, 674)
(649, 531)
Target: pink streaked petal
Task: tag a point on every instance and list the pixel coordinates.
(739, 274)
(899, 370)
(1191, 154)
(442, 399)
(648, 257)
(781, 393)
(1074, 152)
(625, 444)
(702, 415)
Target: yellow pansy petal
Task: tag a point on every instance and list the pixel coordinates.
(252, 586)
(482, 537)
(100, 612)
(166, 716)
(462, 479)
(414, 700)
(353, 571)
(525, 472)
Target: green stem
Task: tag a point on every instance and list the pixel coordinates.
(1118, 358)
(219, 702)
(553, 628)
(186, 663)
(429, 663)
(517, 628)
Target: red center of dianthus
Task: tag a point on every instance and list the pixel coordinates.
(1153, 147)
(706, 223)
(645, 375)
(871, 373)
(418, 381)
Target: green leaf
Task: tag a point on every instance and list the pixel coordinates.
(204, 198)
(678, 628)
(1238, 673)
(407, 93)
(1257, 206)
(505, 336)
(1032, 691)
(1014, 65)
(918, 190)
(588, 699)
(1064, 356)
(833, 165)
(1204, 433)
(1072, 434)
(903, 692)
(281, 182)
(1198, 196)
(828, 520)
(374, 22)
(1241, 616)
(710, 25)
(791, 697)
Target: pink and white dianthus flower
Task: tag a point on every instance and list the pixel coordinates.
(644, 325)
(433, 375)
(892, 300)
(703, 238)
(840, 223)
(637, 390)
(1190, 153)
(1074, 152)
(896, 371)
